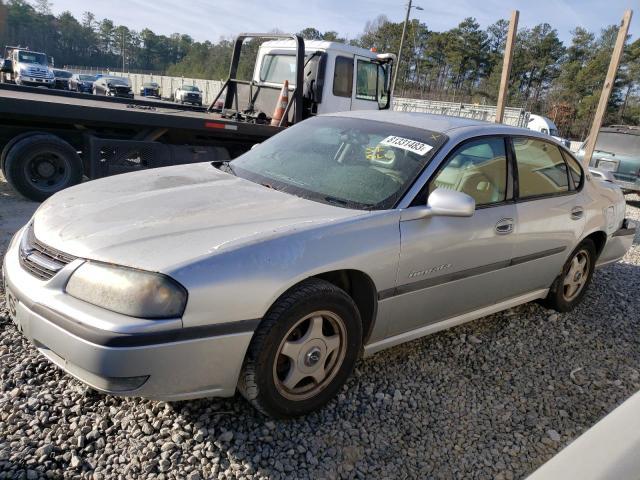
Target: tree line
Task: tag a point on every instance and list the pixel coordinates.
(462, 64)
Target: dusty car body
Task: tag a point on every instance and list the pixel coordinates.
(403, 224)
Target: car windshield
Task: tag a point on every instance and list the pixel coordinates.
(32, 57)
(190, 88)
(619, 143)
(87, 78)
(62, 74)
(150, 85)
(348, 162)
(118, 81)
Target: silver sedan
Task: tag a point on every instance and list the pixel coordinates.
(341, 236)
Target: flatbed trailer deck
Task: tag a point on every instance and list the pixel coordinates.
(74, 134)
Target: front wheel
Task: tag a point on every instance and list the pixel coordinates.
(571, 285)
(303, 351)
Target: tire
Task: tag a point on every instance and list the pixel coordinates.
(40, 165)
(266, 368)
(562, 297)
(9, 145)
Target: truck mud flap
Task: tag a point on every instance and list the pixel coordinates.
(111, 157)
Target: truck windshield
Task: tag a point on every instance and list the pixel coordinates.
(278, 68)
(347, 162)
(32, 57)
(619, 143)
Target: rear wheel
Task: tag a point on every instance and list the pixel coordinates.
(571, 285)
(40, 165)
(303, 351)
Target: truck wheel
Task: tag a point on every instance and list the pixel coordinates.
(40, 165)
(303, 351)
(9, 145)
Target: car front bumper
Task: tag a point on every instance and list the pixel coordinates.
(133, 357)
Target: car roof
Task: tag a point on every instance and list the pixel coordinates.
(438, 123)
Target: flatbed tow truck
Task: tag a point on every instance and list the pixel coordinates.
(51, 139)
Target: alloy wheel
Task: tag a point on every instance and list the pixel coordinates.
(310, 355)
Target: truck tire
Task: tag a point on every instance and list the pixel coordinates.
(40, 165)
(9, 145)
(303, 351)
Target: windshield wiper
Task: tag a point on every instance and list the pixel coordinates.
(223, 165)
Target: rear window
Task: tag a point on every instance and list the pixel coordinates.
(343, 77)
(278, 68)
(618, 143)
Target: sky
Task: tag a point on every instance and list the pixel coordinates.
(214, 19)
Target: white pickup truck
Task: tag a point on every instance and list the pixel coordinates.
(25, 67)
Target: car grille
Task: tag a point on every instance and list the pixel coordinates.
(41, 260)
(122, 90)
(192, 95)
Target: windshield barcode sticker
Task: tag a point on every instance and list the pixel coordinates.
(407, 144)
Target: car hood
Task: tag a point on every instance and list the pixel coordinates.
(164, 218)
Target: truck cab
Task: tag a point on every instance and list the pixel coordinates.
(25, 67)
(337, 77)
(322, 77)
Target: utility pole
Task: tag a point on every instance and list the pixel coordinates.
(607, 87)
(506, 66)
(404, 30)
(122, 50)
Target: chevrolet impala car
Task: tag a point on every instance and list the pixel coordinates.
(272, 274)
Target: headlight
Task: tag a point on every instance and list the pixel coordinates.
(128, 291)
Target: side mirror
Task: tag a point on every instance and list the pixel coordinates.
(442, 203)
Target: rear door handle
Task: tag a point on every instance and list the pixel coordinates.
(577, 213)
(504, 226)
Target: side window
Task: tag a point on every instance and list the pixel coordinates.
(477, 168)
(367, 80)
(541, 168)
(574, 170)
(343, 77)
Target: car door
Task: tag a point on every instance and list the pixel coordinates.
(550, 214)
(452, 265)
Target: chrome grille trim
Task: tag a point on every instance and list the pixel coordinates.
(39, 259)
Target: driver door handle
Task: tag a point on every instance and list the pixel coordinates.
(504, 226)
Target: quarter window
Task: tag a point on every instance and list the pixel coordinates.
(541, 168)
(574, 170)
(343, 77)
(367, 81)
(477, 168)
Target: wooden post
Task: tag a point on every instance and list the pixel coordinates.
(506, 66)
(607, 87)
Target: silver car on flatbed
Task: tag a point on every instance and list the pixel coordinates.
(341, 236)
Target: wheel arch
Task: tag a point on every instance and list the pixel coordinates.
(599, 239)
(362, 290)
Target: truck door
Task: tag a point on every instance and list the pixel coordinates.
(367, 85)
(337, 96)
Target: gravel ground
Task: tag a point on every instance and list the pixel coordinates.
(495, 398)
